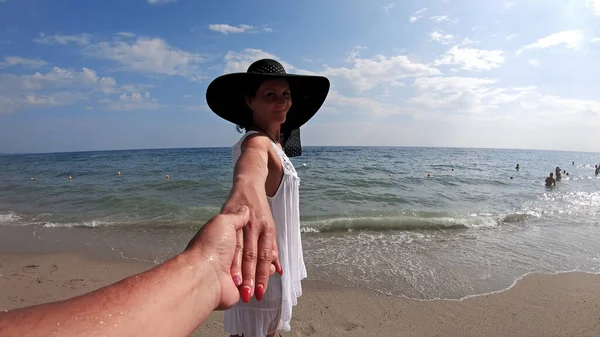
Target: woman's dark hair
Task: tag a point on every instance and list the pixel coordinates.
(250, 92)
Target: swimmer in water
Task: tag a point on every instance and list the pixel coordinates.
(517, 168)
(550, 180)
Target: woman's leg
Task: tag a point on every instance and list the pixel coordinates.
(271, 334)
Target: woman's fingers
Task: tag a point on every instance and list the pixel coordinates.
(276, 261)
(249, 259)
(236, 264)
(264, 262)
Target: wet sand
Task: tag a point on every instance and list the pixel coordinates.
(538, 305)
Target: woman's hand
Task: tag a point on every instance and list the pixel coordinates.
(256, 255)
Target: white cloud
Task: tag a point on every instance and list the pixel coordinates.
(10, 102)
(126, 34)
(239, 62)
(367, 73)
(60, 86)
(387, 7)
(452, 84)
(596, 39)
(534, 63)
(44, 101)
(441, 37)
(467, 41)
(471, 59)
(81, 39)
(58, 78)
(227, 29)
(571, 39)
(441, 18)
(133, 101)
(158, 2)
(417, 15)
(594, 5)
(344, 104)
(479, 99)
(198, 107)
(148, 55)
(512, 36)
(144, 55)
(438, 96)
(11, 61)
(267, 29)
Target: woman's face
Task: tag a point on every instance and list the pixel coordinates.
(271, 103)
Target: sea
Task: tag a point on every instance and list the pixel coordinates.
(421, 223)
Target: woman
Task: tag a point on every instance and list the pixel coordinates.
(271, 106)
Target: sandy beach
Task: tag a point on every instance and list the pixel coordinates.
(538, 305)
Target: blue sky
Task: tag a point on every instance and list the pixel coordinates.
(107, 74)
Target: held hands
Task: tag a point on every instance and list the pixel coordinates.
(216, 243)
(256, 254)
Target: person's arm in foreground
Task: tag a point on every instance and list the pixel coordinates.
(171, 299)
(256, 257)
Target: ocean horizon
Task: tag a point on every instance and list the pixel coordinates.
(304, 146)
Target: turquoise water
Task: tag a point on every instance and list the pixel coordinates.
(370, 216)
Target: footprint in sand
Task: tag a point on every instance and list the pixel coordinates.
(349, 326)
(307, 329)
(75, 283)
(16, 299)
(29, 267)
(53, 268)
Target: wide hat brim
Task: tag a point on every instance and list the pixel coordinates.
(225, 97)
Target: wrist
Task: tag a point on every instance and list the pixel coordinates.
(247, 180)
(206, 286)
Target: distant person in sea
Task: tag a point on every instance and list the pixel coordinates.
(517, 168)
(558, 175)
(270, 105)
(596, 169)
(550, 180)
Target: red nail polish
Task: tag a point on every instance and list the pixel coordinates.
(246, 294)
(260, 291)
(237, 280)
(281, 271)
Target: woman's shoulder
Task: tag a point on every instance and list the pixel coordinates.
(255, 140)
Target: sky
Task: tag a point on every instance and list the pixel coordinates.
(124, 74)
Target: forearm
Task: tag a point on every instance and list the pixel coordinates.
(249, 177)
(169, 300)
(251, 168)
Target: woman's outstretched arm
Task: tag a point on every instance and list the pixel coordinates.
(256, 253)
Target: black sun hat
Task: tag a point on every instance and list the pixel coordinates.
(225, 96)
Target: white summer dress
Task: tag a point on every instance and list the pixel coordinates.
(274, 311)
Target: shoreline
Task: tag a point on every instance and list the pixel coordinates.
(27, 241)
(561, 304)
